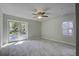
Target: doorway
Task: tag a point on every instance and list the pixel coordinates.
(17, 30)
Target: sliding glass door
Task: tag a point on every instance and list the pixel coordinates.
(17, 30)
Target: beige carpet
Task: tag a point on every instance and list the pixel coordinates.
(38, 48)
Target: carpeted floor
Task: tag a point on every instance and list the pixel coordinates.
(38, 48)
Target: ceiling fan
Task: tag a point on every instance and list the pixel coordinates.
(39, 13)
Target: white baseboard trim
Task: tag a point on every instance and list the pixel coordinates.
(62, 42)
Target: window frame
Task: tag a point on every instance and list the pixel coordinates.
(66, 27)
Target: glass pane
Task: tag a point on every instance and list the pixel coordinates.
(17, 30)
(13, 31)
(70, 25)
(67, 28)
(65, 25)
(23, 31)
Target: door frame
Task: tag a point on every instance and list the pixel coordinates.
(8, 28)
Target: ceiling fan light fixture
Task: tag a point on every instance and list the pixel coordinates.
(40, 13)
(39, 17)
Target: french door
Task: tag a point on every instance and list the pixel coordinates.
(17, 30)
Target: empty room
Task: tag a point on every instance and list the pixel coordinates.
(37, 29)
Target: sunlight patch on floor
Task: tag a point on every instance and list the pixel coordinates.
(8, 44)
(19, 42)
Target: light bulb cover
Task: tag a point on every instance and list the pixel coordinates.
(39, 17)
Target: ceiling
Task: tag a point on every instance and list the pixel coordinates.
(25, 10)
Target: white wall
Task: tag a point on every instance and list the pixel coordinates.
(52, 29)
(34, 27)
(34, 30)
(1, 25)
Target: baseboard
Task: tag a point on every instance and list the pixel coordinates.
(62, 42)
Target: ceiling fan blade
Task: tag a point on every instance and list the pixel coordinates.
(44, 16)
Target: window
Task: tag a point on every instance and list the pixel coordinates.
(18, 30)
(68, 28)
